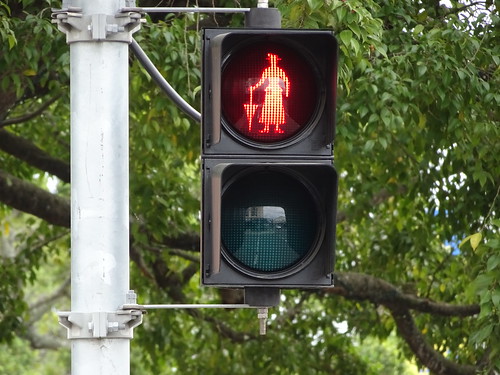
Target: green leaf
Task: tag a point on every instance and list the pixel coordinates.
(462, 74)
(421, 69)
(315, 4)
(346, 36)
(495, 298)
(355, 29)
(383, 142)
(369, 145)
(479, 336)
(355, 46)
(475, 239)
(341, 13)
(386, 117)
(382, 49)
(12, 41)
(482, 282)
(418, 29)
(493, 262)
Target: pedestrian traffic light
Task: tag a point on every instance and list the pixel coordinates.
(269, 184)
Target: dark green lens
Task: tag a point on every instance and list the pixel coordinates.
(269, 221)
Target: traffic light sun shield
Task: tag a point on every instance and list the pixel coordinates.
(269, 93)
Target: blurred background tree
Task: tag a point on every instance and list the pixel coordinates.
(417, 149)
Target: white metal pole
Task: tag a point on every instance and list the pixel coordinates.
(99, 191)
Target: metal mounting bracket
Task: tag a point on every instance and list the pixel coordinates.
(96, 27)
(97, 325)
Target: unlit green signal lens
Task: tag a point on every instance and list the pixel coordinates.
(269, 221)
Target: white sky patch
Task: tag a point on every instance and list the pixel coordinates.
(474, 9)
(341, 327)
(448, 184)
(52, 183)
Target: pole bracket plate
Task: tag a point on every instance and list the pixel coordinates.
(96, 27)
(99, 325)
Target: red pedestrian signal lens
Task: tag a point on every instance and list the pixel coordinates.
(269, 92)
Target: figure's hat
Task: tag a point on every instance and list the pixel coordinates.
(271, 55)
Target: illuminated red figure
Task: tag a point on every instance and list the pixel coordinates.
(273, 110)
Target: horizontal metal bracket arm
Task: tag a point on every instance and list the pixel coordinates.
(96, 27)
(98, 325)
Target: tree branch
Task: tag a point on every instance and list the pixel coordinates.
(33, 155)
(450, 11)
(38, 341)
(42, 305)
(29, 116)
(56, 210)
(431, 358)
(37, 310)
(31, 199)
(186, 241)
(359, 286)
(171, 283)
(438, 269)
(224, 329)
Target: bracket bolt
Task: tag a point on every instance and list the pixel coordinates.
(262, 315)
(131, 298)
(113, 326)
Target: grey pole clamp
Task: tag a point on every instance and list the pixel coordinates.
(98, 325)
(96, 27)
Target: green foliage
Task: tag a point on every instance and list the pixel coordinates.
(383, 356)
(19, 358)
(291, 342)
(6, 33)
(27, 56)
(164, 163)
(486, 286)
(33, 262)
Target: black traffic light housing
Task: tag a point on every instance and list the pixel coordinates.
(269, 185)
(226, 49)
